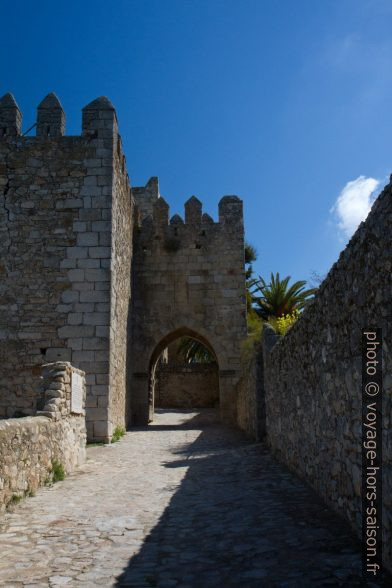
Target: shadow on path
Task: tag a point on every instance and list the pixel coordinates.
(240, 519)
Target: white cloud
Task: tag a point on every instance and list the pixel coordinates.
(354, 203)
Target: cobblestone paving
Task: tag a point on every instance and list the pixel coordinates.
(186, 503)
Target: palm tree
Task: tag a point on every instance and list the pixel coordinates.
(253, 320)
(277, 298)
(250, 257)
(192, 351)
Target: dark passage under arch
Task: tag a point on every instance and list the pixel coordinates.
(183, 372)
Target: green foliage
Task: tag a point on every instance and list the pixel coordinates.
(255, 324)
(277, 298)
(250, 253)
(251, 343)
(15, 498)
(57, 472)
(250, 257)
(283, 323)
(192, 351)
(117, 434)
(30, 492)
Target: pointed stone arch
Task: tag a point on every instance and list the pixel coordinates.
(176, 334)
(165, 341)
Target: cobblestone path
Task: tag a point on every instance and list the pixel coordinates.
(185, 503)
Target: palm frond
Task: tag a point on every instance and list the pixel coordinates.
(192, 351)
(277, 298)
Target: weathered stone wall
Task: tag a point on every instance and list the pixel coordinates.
(40, 181)
(250, 397)
(67, 230)
(187, 386)
(188, 279)
(313, 375)
(121, 256)
(146, 196)
(30, 445)
(64, 256)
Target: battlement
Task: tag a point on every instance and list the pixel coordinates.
(153, 212)
(145, 196)
(99, 132)
(160, 236)
(99, 118)
(10, 116)
(50, 117)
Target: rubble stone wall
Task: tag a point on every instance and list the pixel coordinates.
(250, 397)
(30, 446)
(313, 375)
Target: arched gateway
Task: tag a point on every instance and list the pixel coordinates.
(158, 362)
(188, 280)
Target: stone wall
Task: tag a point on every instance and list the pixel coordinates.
(30, 445)
(37, 228)
(250, 397)
(65, 247)
(188, 280)
(187, 386)
(67, 232)
(145, 196)
(313, 375)
(120, 293)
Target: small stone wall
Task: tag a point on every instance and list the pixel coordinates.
(30, 445)
(250, 398)
(313, 375)
(187, 386)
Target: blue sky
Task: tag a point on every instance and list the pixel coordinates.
(287, 104)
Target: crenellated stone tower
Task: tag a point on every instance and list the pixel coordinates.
(65, 257)
(95, 274)
(188, 279)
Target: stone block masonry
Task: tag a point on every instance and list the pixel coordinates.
(65, 257)
(188, 280)
(187, 386)
(71, 287)
(250, 396)
(313, 375)
(29, 446)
